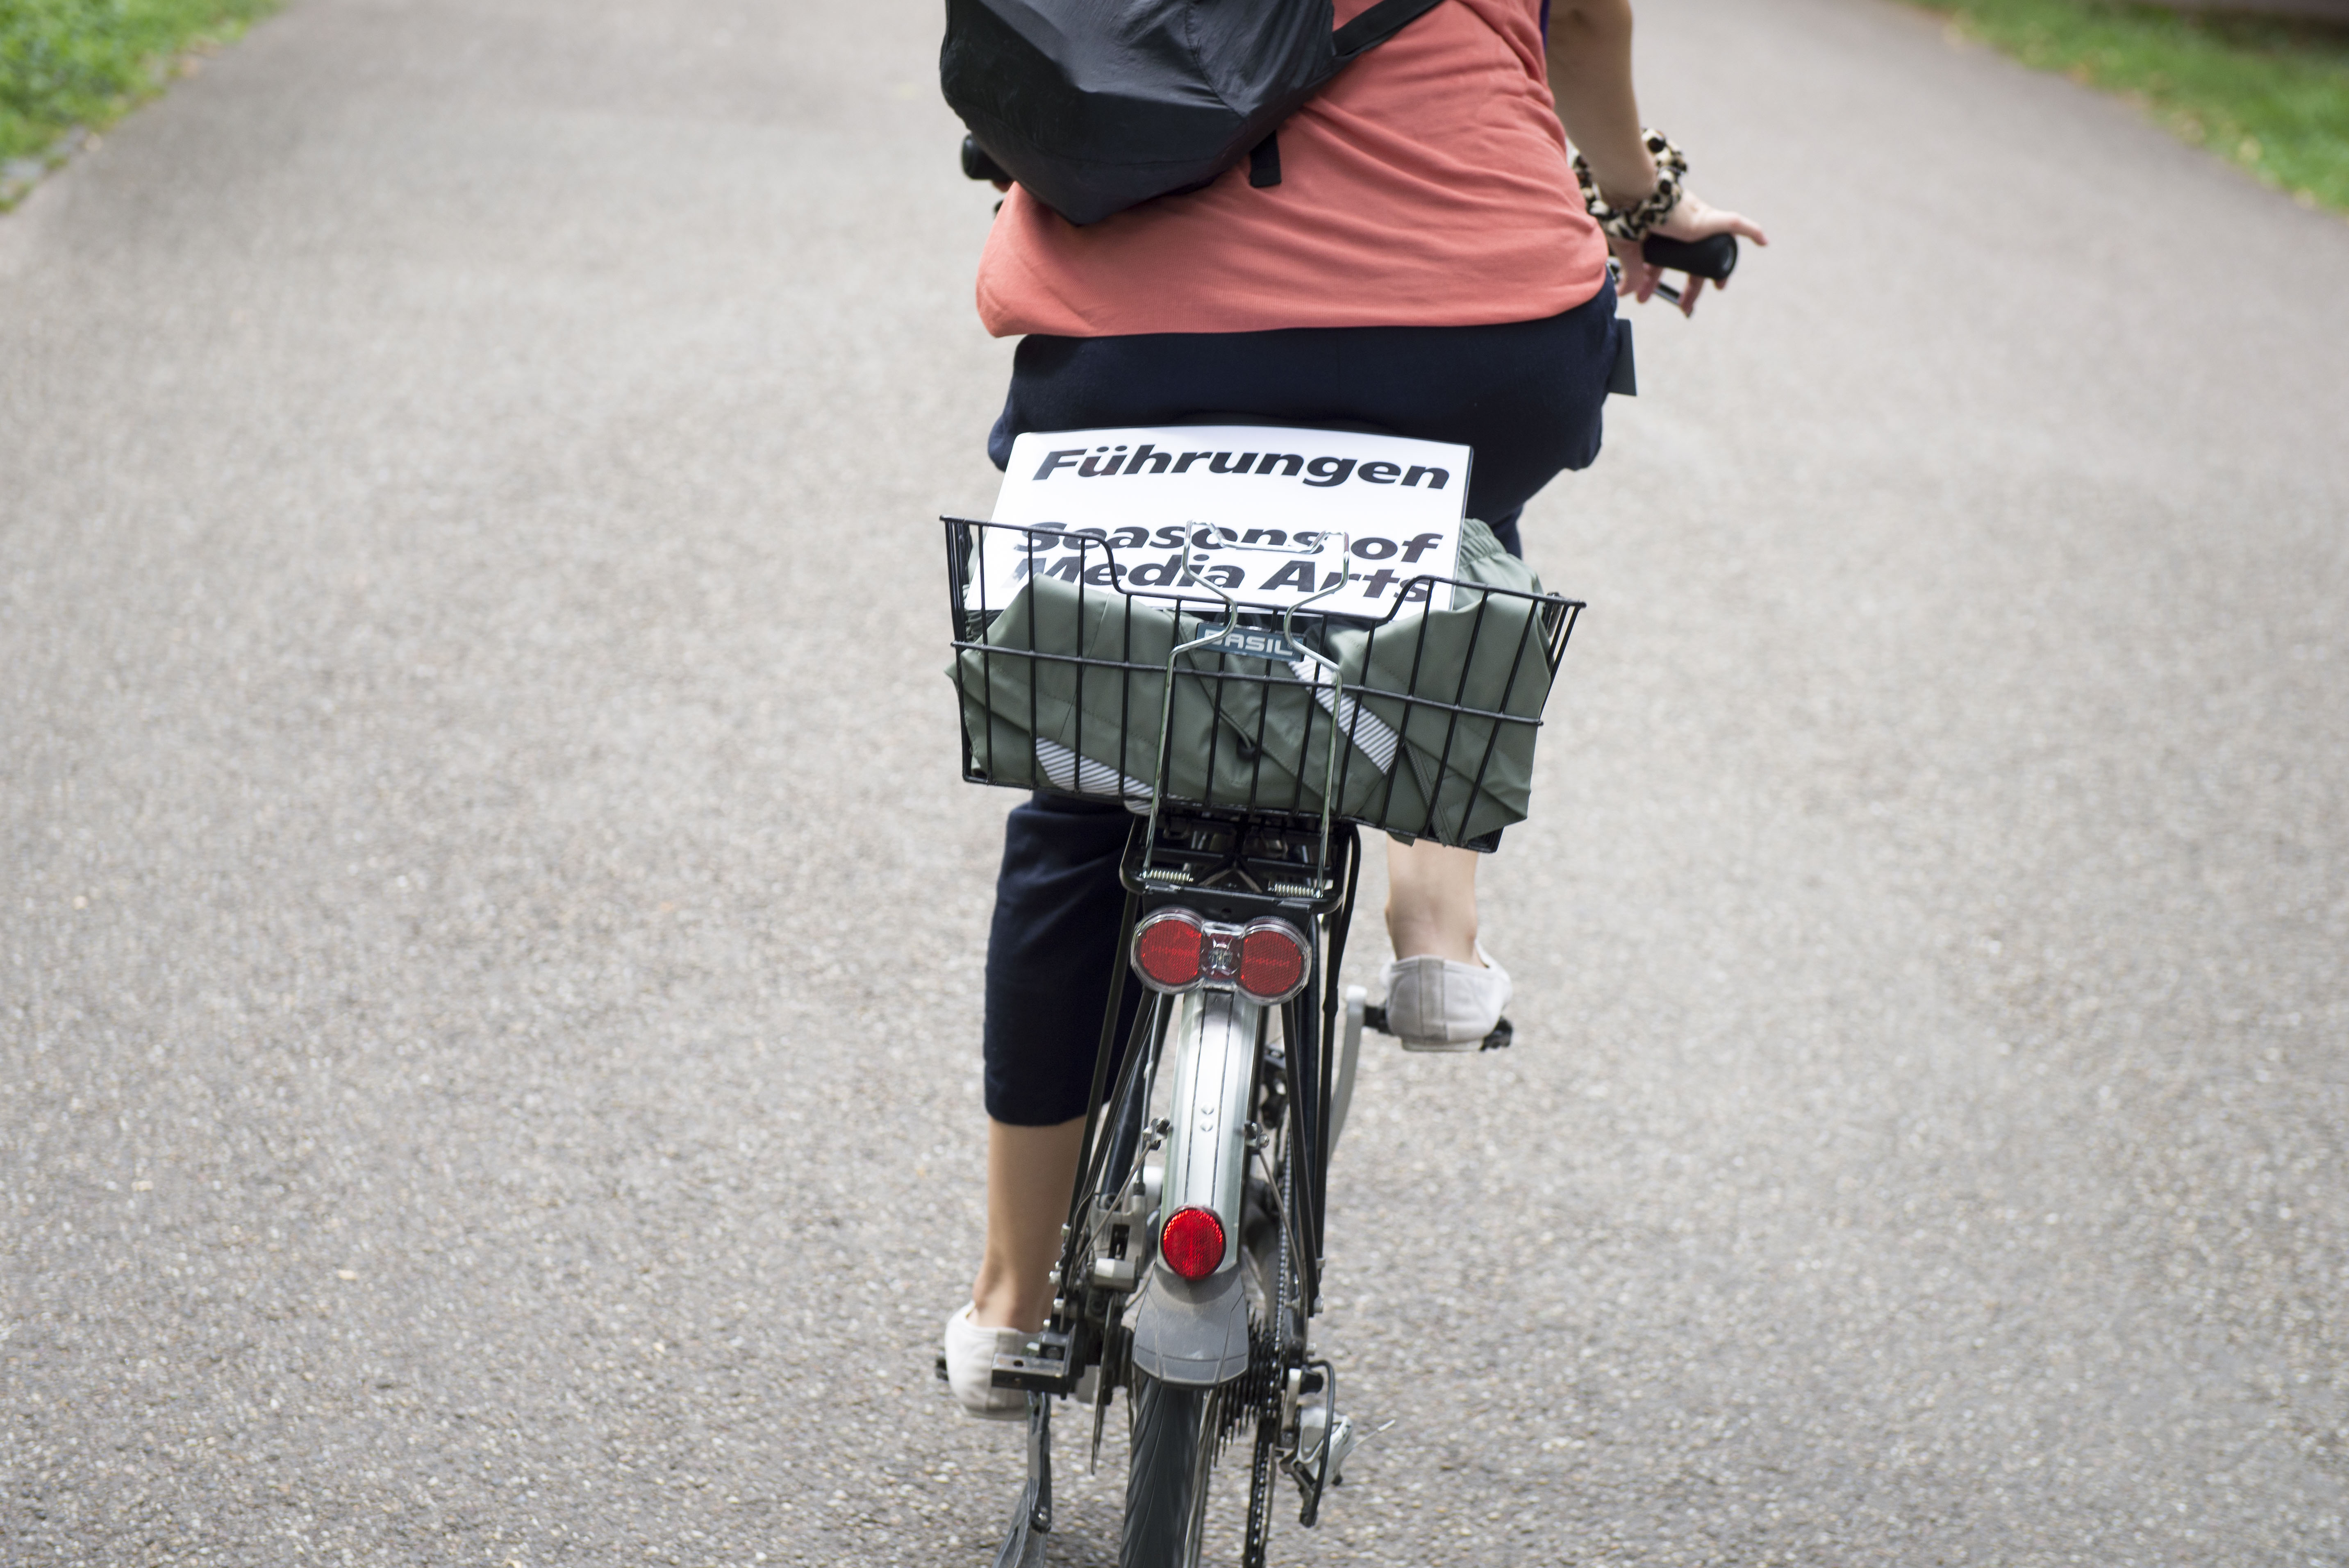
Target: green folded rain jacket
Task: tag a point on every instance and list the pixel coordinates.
(1439, 708)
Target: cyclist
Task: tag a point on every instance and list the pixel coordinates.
(1429, 266)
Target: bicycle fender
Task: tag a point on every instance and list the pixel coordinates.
(1206, 1148)
(1191, 1333)
(1194, 1336)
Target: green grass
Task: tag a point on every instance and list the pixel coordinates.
(67, 63)
(2272, 95)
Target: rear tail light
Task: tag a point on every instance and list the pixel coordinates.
(1273, 961)
(1166, 949)
(1193, 1243)
(1268, 959)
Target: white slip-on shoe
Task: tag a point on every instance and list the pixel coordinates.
(970, 1353)
(1437, 1005)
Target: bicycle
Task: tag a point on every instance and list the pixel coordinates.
(1192, 1261)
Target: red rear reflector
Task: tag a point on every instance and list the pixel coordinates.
(1193, 1243)
(1272, 962)
(1166, 949)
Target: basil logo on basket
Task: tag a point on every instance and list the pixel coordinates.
(1256, 643)
(1260, 509)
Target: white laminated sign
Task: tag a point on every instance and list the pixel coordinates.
(1264, 509)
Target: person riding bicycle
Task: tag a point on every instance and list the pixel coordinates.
(1427, 265)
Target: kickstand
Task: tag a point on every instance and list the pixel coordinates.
(1024, 1547)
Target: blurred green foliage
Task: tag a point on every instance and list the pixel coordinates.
(2272, 95)
(65, 63)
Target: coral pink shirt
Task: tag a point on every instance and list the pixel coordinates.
(1427, 186)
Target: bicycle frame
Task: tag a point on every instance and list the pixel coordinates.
(1255, 830)
(1239, 1098)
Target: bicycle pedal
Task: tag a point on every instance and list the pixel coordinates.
(1503, 1033)
(1042, 1367)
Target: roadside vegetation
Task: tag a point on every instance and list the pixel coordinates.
(2270, 94)
(70, 65)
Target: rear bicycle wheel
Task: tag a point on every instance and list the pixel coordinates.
(1175, 1431)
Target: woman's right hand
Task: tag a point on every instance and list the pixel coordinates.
(1692, 218)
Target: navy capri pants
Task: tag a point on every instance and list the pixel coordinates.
(1527, 396)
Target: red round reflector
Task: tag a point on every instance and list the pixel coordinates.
(1166, 949)
(1193, 1243)
(1272, 962)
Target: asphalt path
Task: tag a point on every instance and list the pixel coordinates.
(489, 925)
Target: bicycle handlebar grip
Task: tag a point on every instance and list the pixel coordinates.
(978, 165)
(1714, 257)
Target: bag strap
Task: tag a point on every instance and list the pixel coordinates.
(1264, 162)
(1377, 25)
(1356, 38)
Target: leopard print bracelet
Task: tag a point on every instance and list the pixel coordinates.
(1633, 222)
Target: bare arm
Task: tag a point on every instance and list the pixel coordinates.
(1590, 77)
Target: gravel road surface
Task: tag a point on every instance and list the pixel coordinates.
(490, 925)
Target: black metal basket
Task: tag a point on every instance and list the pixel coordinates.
(1081, 677)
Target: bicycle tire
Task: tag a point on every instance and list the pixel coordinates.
(1167, 1478)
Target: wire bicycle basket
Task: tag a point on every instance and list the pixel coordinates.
(1151, 688)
